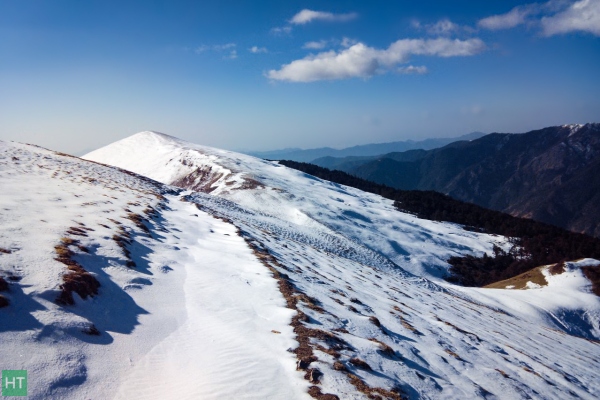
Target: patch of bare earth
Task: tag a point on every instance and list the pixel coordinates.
(201, 180)
(520, 281)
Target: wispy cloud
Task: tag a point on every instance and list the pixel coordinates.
(363, 61)
(553, 17)
(411, 69)
(215, 47)
(316, 45)
(231, 56)
(258, 50)
(443, 27)
(305, 16)
(347, 42)
(281, 30)
(516, 16)
(321, 44)
(230, 48)
(582, 15)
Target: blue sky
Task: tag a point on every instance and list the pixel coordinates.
(75, 75)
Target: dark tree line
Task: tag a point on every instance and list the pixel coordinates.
(533, 243)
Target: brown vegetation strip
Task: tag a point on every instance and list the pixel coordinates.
(123, 240)
(138, 220)
(77, 280)
(520, 281)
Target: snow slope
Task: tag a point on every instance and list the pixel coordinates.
(192, 319)
(365, 279)
(219, 294)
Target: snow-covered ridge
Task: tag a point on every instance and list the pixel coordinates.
(417, 246)
(212, 295)
(362, 261)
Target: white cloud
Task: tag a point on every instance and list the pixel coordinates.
(305, 16)
(321, 44)
(363, 61)
(554, 17)
(216, 47)
(281, 30)
(257, 50)
(317, 45)
(346, 42)
(231, 56)
(582, 15)
(411, 69)
(220, 47)
(442, 27)
(516, 16)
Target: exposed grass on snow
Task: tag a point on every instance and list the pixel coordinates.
(520, 281)
(77, 280)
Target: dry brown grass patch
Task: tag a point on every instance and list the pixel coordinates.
(464, 332)
(557, 268)
(384, 348)
(453, 354)
(520, 281)
(313, 375)
(374, 393)
(77, 280)
(316, 393)
(338, 366)
(358, 363)
(138, 220)
(74, 230)
(123, 241)
(504, 374)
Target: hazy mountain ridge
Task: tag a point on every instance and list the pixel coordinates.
(549, 175)
(367, 150)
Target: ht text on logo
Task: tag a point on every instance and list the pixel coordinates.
(14, 382)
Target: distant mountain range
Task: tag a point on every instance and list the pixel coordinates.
(551, 175)
(361, 151)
